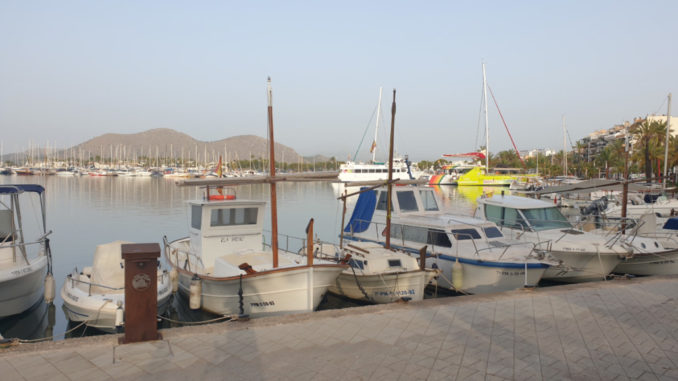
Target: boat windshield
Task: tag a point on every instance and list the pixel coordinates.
(546, 219)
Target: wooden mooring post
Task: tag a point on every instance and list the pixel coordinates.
(141, 292)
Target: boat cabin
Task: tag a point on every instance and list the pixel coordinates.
(416, 219)
(522, 213)
(225, 226)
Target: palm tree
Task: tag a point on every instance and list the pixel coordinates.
(649, 134)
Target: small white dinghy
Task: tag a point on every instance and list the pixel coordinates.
(380, 275)
(96, 295)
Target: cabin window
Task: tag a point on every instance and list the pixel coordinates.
(381, 203)
(492, 232)
(429, 200)
(196, 214)
(508, 217)
(546, 218)
(462, 234)
(420, 235)
(407, 201)
(409, 233)
(438, 238)
(394, 263)
(371, 170)
(233, 216)
(356, 264)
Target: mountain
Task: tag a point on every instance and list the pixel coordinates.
(164, 142)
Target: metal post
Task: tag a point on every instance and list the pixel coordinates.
(141, 291)
(666, 146)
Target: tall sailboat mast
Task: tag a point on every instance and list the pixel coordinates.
(564, 148)
(373, 148)
(487, 136)
(666, 146)
(271, 161)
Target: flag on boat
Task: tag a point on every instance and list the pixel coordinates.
(374, 145)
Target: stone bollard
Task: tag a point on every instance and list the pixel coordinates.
(141, 292)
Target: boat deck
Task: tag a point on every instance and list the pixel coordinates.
(623, 329)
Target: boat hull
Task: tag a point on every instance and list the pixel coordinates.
(650, 264)
(382, 288)
(283, 291)
(581, 266)
(482, 277)
(22, 286)
(98, 310)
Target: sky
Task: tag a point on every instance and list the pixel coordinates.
(73, 70)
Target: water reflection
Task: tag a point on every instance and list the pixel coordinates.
(35, 323)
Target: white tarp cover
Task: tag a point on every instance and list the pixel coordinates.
(107, 269)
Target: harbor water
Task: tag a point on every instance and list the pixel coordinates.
(84, 211)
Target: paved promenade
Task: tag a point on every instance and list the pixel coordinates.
(617, 330)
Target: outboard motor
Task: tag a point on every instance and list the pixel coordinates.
(595, 207)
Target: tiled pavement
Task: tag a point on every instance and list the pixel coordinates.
(618, 330)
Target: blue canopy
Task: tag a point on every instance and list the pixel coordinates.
(362, 213)
(17, 188)
(671, 223)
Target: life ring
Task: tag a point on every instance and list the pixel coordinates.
(221, 197)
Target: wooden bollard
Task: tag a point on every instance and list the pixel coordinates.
(141, 291)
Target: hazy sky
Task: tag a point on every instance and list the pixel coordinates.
(73, 70)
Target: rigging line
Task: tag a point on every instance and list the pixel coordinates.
(507, 129)
(660, 106)
(355, 157)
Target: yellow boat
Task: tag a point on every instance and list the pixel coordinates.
(477, 176)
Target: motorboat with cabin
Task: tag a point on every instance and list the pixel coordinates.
(25, 263)
(96, 295)
(472, 254)
(224, 266)
(585, 256)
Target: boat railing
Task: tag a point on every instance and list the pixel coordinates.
(191, 262)
(297, 245)
(90, 284)
(28, 250)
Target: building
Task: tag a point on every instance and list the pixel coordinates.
(596, 141)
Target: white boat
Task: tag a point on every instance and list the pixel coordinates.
(472, 254)
(661, 207)
(95, 294)
(225, 268)
(655, 248)
(373, 170)
(379, 275)
(356, 172)
(585, 256)
(224, 252)
(23, 263)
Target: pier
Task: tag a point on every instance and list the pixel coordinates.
(615, 330)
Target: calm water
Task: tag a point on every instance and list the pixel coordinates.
(86, 211)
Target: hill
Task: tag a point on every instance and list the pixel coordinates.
(163, 142)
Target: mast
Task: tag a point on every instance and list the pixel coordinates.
(666, 146)
(271, 161)
(487, 136)
(373, 148)
(390, 175)
(564, 148)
